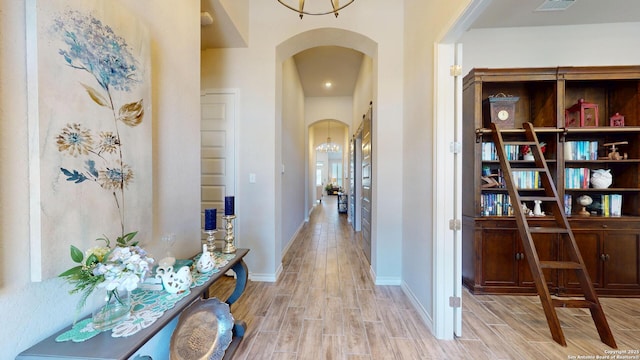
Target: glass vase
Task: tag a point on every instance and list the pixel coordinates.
(116, 308)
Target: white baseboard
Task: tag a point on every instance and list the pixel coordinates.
(424, 315)
(295, 235)
(386, 280)
(266, 277)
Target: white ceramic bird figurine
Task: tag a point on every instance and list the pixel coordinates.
(175, 282)
(205, 263)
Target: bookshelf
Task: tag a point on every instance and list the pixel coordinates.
(609, 237)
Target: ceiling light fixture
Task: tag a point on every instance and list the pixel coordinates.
(310, 10)
(328, 84)
(328, 146)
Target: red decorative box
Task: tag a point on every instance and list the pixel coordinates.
(616, 120)
(581, 114)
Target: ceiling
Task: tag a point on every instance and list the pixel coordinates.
(338, 65)
(341, 65)
(517, 13)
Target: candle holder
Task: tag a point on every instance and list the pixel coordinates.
(229, 248)
(211, 240)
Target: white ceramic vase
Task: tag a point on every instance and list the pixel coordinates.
(601, 178)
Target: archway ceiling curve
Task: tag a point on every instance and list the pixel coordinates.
(326, 37)
(327, 55)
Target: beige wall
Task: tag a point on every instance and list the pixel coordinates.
(293, 139)
(32, 311)
(425, 22)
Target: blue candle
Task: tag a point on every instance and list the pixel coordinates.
(209, 219)
(229, 205)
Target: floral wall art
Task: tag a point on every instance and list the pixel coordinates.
(89, 128)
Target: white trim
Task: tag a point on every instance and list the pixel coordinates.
(462, 23)
(424, 315)
(443, 190)
(446, 251)
(295, 235)
(266, 277)
(35, 220)
(388, 280)
(457, 234)
(383, 280)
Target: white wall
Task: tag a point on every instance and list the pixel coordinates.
(33, 311)
(583, 45)
(328, 107)
(363, 93)
(294, 159)
(255, 71)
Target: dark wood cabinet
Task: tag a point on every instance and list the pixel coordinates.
(590, 244)
(612, 258)
(493, 260)
(502, 264)
(620, 260)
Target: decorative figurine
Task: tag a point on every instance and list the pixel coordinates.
(601, 178)
(205, 263)
(616, 120)
(526, 210)
(613, 152)
(537, 211)
(584, 200)
(175, 282)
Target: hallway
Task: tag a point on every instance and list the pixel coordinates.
(325, 306)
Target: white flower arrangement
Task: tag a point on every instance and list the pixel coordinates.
(113, 269)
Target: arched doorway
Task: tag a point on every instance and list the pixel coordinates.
(286, 216)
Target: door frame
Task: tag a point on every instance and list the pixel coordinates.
(444, 190)
(235, 93)
(447, 254)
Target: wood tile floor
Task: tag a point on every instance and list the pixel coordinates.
(325, 306)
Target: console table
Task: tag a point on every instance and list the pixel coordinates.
(103, 346)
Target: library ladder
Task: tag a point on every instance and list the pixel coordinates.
(561, 228)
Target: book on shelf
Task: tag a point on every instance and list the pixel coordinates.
(489, 152)
(581, 150)
(577, 178)
(526, 179)
(567, 204)
(495, 204)
(608, 205)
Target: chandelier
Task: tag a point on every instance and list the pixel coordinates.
(318, 10)
(328, 146)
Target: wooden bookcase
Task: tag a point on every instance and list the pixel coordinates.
(493, 262)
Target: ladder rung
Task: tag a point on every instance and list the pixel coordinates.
(560, 265)
(573, 303)
(590, 299)
(514, 169)
(541, 198)
(547, 230)
(522, 142)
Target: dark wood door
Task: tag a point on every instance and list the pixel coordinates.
(499, 260)
(621, 253)
(547, 249)
(366, 185)
(590, 245)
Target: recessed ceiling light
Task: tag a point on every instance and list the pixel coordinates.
(328, 84)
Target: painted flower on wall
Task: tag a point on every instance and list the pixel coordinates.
(94, 48)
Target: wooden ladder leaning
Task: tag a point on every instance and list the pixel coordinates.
(561, 228)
